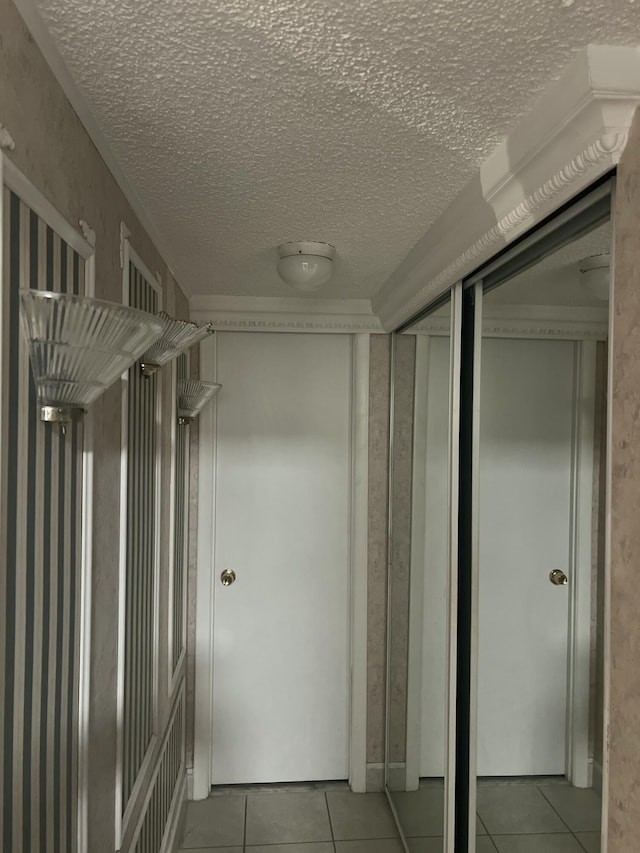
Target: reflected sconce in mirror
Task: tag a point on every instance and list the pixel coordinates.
(595, 275)
(177, 336)
(193, 396)
(79, 346)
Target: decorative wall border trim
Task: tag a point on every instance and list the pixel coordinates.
(574, 135)
(6, 140)
(22, 186)
(531, 321)
(269, 314)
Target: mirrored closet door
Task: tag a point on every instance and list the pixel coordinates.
(537, 571)
(422, 580)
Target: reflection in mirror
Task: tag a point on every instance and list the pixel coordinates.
(541, 552)
(419, 571)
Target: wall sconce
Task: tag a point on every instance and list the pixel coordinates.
(79, 346)
(193, 396)
(177, 336)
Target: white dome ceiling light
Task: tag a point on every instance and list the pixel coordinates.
(595, 275)
(306, 265)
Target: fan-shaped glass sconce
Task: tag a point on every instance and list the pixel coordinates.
(193, 396)
(177, 336)
(79, 346)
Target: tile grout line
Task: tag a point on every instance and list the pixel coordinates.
(580, 844)
(489, 836)
(244, 831)
(333, 840)
(557, 812)
(569, 832)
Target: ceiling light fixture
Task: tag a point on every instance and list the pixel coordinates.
(177, 336)
(79, 346)
(595, 275)
(193, 396)
(306, 265)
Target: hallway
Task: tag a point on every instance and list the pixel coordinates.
(262, 263)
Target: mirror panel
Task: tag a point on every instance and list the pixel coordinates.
(540, 555)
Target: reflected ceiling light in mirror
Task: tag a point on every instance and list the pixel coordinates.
(79, 346)
(193, 396)
(306, 265)
(177, 336)
(595, 275)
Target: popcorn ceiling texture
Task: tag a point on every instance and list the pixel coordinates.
(244, 124)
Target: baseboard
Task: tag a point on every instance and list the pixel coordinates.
(597, 777)
(397, 776)
(190, 783)
(375, 777)
(176, 819)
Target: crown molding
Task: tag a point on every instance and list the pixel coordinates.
(574, 135)
(259, 313)
(42, 37)
(530, 321)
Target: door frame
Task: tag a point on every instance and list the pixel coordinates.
(199, 777)
(579, 769)
(578, 765)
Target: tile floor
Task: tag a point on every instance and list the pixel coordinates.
(512, 817)
(291, 821)
(522, 818)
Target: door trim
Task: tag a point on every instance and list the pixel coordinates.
(203, 693)
(578, 765)
(358, 534)
(474, 565)
(416, 567)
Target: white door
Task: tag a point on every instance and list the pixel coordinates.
(281, 630)
(525, 497)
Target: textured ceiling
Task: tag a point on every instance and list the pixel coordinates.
(243, 124)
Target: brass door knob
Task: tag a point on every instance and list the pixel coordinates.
(558, 577)
(227, 577)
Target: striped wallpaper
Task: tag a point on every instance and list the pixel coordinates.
(165, 785)
(140, 613)
(40, 572)
(179, 578)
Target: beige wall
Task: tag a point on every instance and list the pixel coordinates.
(56, 154)
(379, 387)
(401, 498)
(598, 554)
(624, 727)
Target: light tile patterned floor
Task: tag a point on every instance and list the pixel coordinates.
(332, 821)
(518, 818)
(513, 817)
